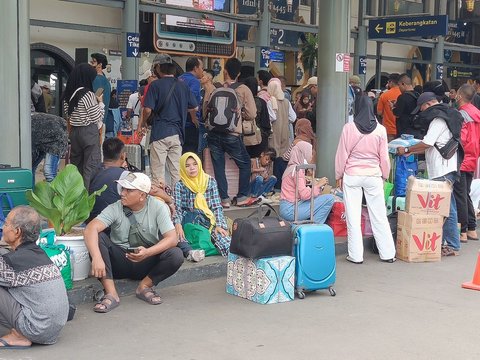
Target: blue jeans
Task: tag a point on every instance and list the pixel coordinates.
(451, 236)
(220, 144)
(322, 205)
(202, 138)
(50, 166)
(259, 186)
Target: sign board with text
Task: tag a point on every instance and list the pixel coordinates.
(398, 27)
(133, 44)
(342, 62)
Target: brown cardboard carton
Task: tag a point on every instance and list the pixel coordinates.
(419, 237)
(427, 197)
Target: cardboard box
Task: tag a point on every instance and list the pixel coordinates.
(427, 197)
(419, 237)
(264, 281)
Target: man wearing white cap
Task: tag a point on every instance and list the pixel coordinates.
(141, 246)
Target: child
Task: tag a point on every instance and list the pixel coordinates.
(262, 179)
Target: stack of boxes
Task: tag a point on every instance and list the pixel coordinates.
(419, 229)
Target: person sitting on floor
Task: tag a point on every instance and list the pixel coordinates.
(196, 196)
(33, 298)
(133, 250)
(262, 179)
(302, 153)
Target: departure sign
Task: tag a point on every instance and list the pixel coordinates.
(408, 27)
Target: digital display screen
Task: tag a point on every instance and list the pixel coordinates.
(188, 29)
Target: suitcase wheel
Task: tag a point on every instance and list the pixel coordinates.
(332, 291)
(300, 294)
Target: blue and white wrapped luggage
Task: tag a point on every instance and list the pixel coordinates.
(314, 249)
(264, 281)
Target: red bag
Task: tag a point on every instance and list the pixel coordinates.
(337, 220)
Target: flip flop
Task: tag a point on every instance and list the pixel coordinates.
(108, 306)
(147, 295)
(6, 345)
(251, 202)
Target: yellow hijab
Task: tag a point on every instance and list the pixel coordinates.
(197, 185)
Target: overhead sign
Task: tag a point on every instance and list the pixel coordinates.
(408, 27)
(133, 44)
(456, 73)
(439, 72)
(362, 65)
(264, 57)
(277, 56)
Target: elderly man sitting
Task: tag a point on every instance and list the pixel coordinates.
(33, 298)
(141, 246)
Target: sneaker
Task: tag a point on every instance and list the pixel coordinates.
(226, 204)
(196, 255)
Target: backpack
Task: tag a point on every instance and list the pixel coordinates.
(223, 110)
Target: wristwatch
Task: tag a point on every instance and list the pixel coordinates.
(405, 150)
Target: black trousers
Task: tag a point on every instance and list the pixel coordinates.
(465, 210)
(85, 150)
(190, 143)
(157, 268)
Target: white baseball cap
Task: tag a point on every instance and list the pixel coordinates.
(312, 81)
(137, 180)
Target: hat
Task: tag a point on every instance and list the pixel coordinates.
(422, 99)
(354, 80)
(312, 81)
(138, 181)
(162, 59)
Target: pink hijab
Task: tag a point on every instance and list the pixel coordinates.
(301, 154)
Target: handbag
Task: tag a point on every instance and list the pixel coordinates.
(252, 135)
(9, 200)
(449, 149)
(261, 235)
(154, 113)
(200, 238)
(196, 217)
(58, 254)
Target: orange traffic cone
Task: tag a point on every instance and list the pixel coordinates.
(475, 283)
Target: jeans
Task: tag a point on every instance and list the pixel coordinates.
(220, 144)
(451, 237)
(259, 186)
(322, 205)
(50, 166)
(202, 139)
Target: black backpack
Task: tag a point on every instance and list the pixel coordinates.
(223, 110)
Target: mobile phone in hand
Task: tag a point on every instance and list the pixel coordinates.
(99, 92)
(131, 249)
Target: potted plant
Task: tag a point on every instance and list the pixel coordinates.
(66, 203)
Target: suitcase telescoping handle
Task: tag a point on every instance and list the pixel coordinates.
(312, 167)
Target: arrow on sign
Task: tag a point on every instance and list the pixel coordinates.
(267, 63)
(378, 28)
(135, 52)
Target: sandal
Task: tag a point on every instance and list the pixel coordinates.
(148, 295)
(108, 302)
(448, 251)
(348, 258)
(250, 202)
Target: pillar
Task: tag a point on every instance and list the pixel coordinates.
(15, 136)
(263, 33)
(333, 37)
(438, 55)
(130, 24)
(361, 41)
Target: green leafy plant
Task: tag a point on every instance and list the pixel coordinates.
(64, 201)
(310, 53)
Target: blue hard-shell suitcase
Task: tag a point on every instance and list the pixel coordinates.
(314, 249)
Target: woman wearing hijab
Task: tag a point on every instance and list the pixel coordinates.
(303, 132)
(85, 116)
(302, 153)
(196, 196)
(361, 166)
(282, 136)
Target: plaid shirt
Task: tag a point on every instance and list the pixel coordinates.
(184, 199)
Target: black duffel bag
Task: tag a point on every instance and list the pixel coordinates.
(258, 236)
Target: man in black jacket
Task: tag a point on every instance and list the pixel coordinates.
(404, 106)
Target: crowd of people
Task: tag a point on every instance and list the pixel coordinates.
(140, 227)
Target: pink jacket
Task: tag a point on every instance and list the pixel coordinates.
(470, 137)
(304, 192)
(362, 154)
